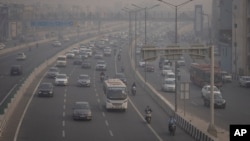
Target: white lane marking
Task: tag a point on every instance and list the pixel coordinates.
(96, 94)
(106, 122)
(142, 117)
(64, 107)
(64, 100)
(63, 133)
(64, 114)
(26, 108)
(98, 100)
(103, 114)
(63, 123)
(111, 133)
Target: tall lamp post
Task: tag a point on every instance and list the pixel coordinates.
(130, 26)
(145, 11)
(176, 41)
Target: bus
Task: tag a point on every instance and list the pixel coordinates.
(116, 95)
(200, 74)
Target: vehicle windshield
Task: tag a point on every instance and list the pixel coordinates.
(171, 76)
(83, 77)
(217, 96)
(53, 70)
(45, 86)
(61, 76)
(215, 88)
(81, 106)
(118, 94)
(61, 58)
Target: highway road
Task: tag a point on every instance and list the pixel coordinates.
(51, 118)
(237, 98)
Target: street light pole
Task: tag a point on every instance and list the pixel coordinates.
(176, 41)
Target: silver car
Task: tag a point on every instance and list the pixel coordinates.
(82, 111)
(84, 80)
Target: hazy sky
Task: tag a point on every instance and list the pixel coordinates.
(119, 4)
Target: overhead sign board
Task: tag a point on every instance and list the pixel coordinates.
(51, 23)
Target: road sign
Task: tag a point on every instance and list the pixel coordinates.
(51, 23)
(184, 90)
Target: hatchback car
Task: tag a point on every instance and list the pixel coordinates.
(61, 79)
(86, 64)
(46, 89)
(206, 90)
(16, 70)
(84, 80)
(168, 85)
(226, 77)
(81, 110)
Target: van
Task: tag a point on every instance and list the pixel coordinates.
(61, 61)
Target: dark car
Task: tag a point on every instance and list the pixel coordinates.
(46, 89)
(52, 72)
(86, 64)
(82, 111)
(149, 68)
(219, 101)
(16, 70)
(122, 77)
(78, 60)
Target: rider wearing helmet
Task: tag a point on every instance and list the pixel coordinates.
(171, 121)
(133, 85)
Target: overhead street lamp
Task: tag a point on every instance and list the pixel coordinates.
(208, 27)
(145, 11)
(176, 8)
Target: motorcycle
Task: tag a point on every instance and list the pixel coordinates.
(133, 90)
(148, 117)
(172, 128)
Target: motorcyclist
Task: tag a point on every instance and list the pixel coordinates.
(102, 75)
(133, 88)
(133, 85)
(171, 121)
(148, 110)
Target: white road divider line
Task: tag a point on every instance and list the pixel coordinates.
(106, 122)
(63, 133)
(111, 133)
(142, 117)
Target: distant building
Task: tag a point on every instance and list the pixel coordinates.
(241, 37)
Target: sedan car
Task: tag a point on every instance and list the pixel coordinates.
(52, 72)
(70, 55)
(84, 80)
(99, 55)
(46, 89)
(56, 43)
(166, 69)
(61, 79)
(21, 56)
(244, 81)
(16, 70)
(206, 90)
(82, 111)
(86, 64)
(77, 60)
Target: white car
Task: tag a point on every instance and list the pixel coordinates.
(57, 43)
(166, 69)
(244, 81)
(61, 79)
(168, 85)
(206, 90)
(84, 80)
(101, 65)
(75, 50)
(21, 56)
(2, 46)
(70, 55)
(226, 77)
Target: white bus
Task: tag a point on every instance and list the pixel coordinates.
(116, 96)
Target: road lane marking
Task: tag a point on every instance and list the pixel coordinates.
(8, 94)
(111, 133)
(103, 114)
(64, 100)
(64, 114)
(106, 122)
(142, 117)
(63, 123)
(63, 133)
(98, 100)
(64, 107)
